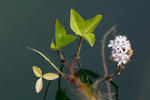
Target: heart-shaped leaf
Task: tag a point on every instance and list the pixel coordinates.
(39, 85)
(77, 23)
(50, 76)
(37, 71)
(61, 38)
(90, 38)
(84, 28)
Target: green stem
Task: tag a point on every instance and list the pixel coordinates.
(44, 97)
(59, 79)
(38, 52)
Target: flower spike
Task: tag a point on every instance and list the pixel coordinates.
(121, 50)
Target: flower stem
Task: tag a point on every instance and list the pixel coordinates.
(113, 29)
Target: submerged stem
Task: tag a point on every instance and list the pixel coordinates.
(59, 79)
(117, 90)
(44, 97)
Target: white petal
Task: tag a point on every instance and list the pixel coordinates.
(124, 61)
(119, 63)
(111, 42)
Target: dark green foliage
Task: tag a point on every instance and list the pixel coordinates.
(61, 94)
(87, 76)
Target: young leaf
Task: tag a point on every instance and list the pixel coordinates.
(90, 38)
(59, 32)
(37, 71)
(65, 40)
(91, 24)
(50, 76)
(61, 95)
(39, 85)
(81, 27)
(77, 23)
(53, 46)
(61, 38)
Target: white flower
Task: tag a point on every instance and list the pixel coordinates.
(121, 49)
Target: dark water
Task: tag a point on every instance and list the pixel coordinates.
(31, 23)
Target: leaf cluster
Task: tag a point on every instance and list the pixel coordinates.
(81, 27)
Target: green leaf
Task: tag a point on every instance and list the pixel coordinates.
(59, 32)
(91, 24)
(77, 23)
(50, 76)
(90, 38)
(85, 78)
(89, 73)
(61, 38)
(66, 39)
(37, 71)
(53, 46)
(61, 95)
(84, 28)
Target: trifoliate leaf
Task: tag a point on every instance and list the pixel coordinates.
(91, 24)
(39, 85)
(37, 71)
(77, 23)
(50, 76)
(90, 38)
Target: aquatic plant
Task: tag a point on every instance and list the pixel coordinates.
(87, 84)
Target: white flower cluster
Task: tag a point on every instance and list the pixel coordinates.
(121, 49)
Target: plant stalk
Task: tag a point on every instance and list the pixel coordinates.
(113, 29)
(45, 94)
(79, 49)
(63, 60)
